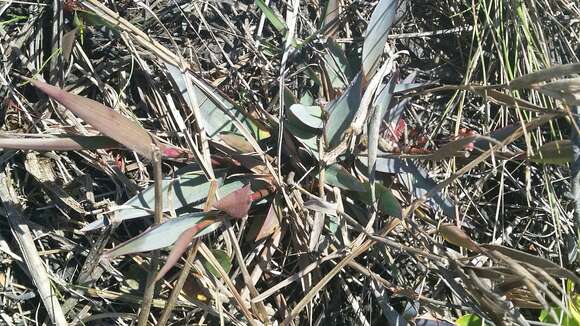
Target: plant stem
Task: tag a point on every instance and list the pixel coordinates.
(150, 287)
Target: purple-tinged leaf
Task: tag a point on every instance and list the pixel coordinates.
(168, 151)
(108, 121)
(270, 224)
(236, 204)
(181, 245)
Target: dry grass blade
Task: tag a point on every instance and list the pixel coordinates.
(71, 143)
(32, 259)
(357, 252)
(544, 75)
(456, 236)
(281, 115)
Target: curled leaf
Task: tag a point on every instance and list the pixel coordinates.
(456, 236)
(236, 204)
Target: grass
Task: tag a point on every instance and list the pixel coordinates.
(465, 220)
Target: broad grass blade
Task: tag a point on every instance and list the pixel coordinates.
(338, 176)
(376, 36)
(417, 180)
(342, 112)
(539, 262)
(555, 152)
(190, 188)
(162, 235)
(108, 121)
(215, 120)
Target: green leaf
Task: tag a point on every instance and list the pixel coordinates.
(556, 152)
(342, 112)
(306, 136)
(276, 21)
(338, 176)
(95, 20)
(387, 202)
(336, 64)
(223, 259)
(306, 116)
(572, 319)
(416, 179)
(331, 223)
(212, 105)
(164, 234)
(469, 320)
(187, 188)
(376, 36)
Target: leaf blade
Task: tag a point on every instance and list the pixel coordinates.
(108, 121)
